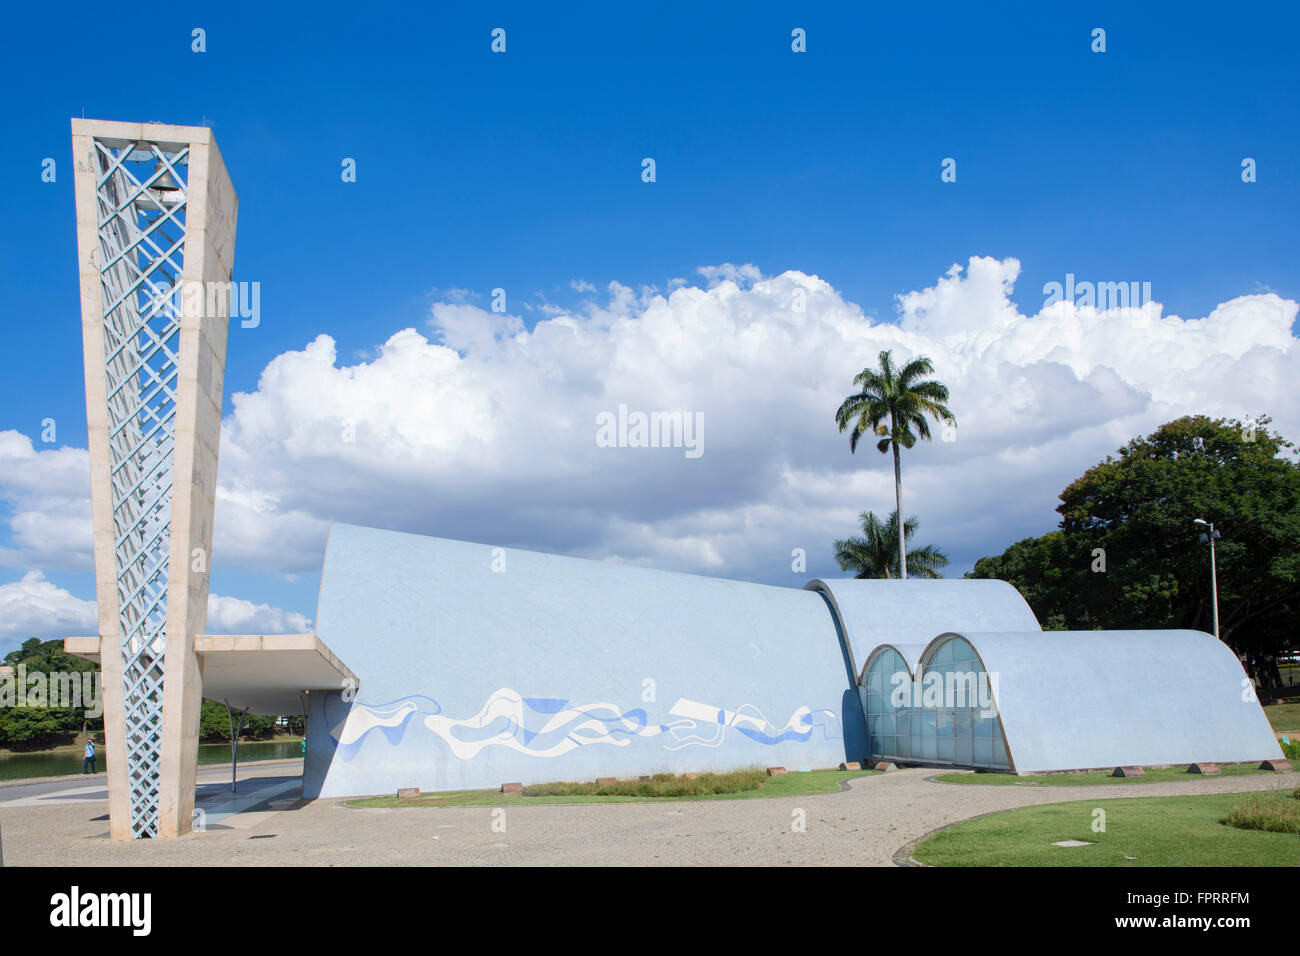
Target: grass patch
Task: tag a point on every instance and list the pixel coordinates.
(660, 788)
(1284, 715)
(1140, 831)
(1270, 812)
(1097, 777)
(659, 785)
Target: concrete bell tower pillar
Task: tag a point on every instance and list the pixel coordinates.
(155, 240)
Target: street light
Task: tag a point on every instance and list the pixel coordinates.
(1210, 536)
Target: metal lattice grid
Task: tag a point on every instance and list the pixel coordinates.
(141, 193)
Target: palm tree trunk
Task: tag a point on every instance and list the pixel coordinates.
(898, 500)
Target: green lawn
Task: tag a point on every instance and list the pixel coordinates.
(786, 785)
(1285, 715)
(1094, 777)
(1153, 831)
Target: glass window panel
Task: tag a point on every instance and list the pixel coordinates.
(898, 693)
(962, 750)
(945, 748)
(929, 749)
(965, 687)
(983, 750)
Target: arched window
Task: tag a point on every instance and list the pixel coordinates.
(947, 716)
(887, 721)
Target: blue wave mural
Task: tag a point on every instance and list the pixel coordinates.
(551, 726)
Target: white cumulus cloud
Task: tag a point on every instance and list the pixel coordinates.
(35, 607)
(475, 426)
(230, 615)
(47, 497)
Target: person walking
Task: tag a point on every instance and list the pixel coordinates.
(88, 764)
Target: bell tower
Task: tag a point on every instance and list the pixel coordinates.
(155, 241)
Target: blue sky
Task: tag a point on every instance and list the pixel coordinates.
(522, 171)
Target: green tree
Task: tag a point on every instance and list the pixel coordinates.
(214, 724)
(874, 553)
(1127, 556)
(47, 657)
(29, 728)
(903, 399)
(1052, 574)
(34, 728)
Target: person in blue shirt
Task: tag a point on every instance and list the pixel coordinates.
(88, 764)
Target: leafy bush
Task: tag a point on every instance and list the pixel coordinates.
(26, 728)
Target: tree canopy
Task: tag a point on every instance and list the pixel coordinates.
(48, 657)
(214, 724)
(1127, 554)
(874, 553)
(37, 727)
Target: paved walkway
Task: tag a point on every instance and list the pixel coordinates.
(270, 826)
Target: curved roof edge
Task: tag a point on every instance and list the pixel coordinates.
(907, 614)
(1072, 700)
(910, 653)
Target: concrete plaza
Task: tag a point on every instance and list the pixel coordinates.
(64, 823)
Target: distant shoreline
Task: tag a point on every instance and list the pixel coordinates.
(99, 747)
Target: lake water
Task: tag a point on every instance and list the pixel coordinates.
(19, 766)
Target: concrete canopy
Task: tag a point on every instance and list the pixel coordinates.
(263, 673)
(268, 674)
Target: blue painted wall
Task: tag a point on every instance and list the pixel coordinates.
(1096, 699)
(480, 666)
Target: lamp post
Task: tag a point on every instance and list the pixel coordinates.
(1214, 581)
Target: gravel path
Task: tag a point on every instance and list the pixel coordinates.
(864, 825)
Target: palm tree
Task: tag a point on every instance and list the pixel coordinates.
(901, 398)
(875, 553)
